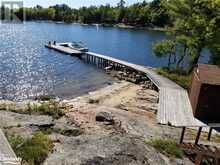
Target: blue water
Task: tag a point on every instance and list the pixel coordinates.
(28, 69)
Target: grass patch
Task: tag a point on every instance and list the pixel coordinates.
(45, 97)
(51, 108)
(33, 150)
(68, 132)
(216, 138)
(167, 147)
(8, 107)
(180, 77)
(93, 101)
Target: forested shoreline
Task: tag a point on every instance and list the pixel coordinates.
(143, 14)
(193, 25)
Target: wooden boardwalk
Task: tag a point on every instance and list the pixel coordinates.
(7, 155)
(174, 104)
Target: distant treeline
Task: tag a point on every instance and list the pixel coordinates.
(194, 25)
(152, 14)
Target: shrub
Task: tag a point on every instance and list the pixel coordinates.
(7, 107)
(51, 108)
(167, 147)
(93, 101)
(3, 106)
(45, 97)
(32, 150)
(65, 132)
(178, 76)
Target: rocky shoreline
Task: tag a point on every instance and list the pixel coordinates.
(110, 126)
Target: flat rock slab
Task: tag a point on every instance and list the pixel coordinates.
(10, 119)
(103, 150)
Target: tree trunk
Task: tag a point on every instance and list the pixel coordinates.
(169, 61)
(182, 57)
(195, 60)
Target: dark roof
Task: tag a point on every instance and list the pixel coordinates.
(208, 74)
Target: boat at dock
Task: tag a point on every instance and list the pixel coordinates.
(65, 48)
(76, 46)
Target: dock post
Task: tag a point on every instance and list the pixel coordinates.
(104, 63)
(198, 135)
(92, 59)
(98, 62)
(182, 135)
(117, 66)
(209, 134)
(120, 66)
(87, 58)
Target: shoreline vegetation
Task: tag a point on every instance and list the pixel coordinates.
(143, 15)
(120, 25)
(182, 79)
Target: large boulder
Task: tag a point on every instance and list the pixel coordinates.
(104, 117)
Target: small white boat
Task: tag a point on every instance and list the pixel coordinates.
(76, 46)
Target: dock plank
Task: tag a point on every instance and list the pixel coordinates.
(175, 109)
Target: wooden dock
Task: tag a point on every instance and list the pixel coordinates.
(63, 49)
(174, 105)
(7, 155)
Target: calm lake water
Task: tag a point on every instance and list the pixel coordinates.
(28, 69)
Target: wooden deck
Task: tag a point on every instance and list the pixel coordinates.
(174, 104)
(7, 155)
(64, 49)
